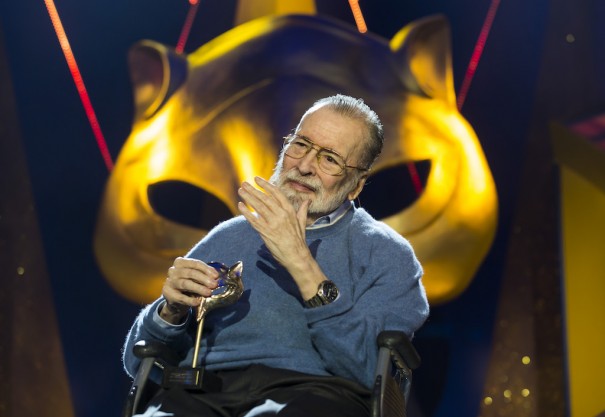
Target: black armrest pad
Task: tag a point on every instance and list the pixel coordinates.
(153, 349)
(400, 343)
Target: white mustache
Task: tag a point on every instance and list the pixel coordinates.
(293, 176)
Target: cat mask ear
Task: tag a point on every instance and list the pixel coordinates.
(423, 50)
(156, 73)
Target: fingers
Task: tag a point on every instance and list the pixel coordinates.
(254, 198)
(247, 213)
(260, 202)
(301, 214)
(273, 190)
(195, 264)
(188, 280)
(267, 203)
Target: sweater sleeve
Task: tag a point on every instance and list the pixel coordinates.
(387, 295)
(150, 326)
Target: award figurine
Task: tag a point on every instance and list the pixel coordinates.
(229, 290)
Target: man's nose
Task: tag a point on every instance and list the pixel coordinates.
(308, 164)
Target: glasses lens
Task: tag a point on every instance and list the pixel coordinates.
(297, 147)
(330, 163)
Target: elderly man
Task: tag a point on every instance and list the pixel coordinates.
(322, 279)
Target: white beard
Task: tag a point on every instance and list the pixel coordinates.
(324, 203)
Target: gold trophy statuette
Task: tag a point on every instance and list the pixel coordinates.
(229, 290)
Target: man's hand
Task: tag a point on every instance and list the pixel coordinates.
(188, 280)
(281, 228)
(283, 231)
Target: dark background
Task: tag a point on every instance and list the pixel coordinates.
(532, 72)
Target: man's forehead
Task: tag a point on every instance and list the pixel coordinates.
(333, 130)
(329, 121)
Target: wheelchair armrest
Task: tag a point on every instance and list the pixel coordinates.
(401, 348)
(397, 357)
(157, 350)
(151, 354)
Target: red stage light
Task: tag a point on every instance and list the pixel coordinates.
(478, 51)
(180, 46)
(77, 77)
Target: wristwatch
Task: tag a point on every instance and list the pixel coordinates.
(326, 293)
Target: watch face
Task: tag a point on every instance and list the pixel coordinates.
(330, 291)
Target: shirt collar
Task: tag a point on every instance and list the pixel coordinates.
(333, 217)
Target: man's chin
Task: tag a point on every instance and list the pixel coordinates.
(296, 199)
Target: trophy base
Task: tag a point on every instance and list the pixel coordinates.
(191, 379)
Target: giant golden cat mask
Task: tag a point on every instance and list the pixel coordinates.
(210, 120)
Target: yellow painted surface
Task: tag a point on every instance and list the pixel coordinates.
(224, 121)
(583, 227)
(252, 9)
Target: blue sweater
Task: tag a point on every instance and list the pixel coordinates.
(375, 269)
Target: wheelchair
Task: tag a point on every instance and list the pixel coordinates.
(397, 357)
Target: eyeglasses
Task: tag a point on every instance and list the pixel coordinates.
(329, 161)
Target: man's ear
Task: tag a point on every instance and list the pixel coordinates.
(360, 183)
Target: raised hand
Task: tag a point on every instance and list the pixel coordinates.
(282, 228)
